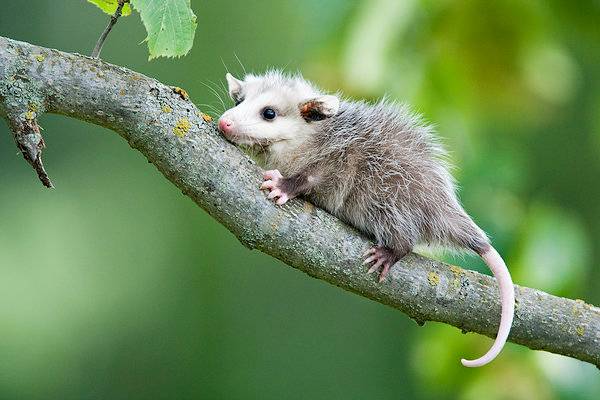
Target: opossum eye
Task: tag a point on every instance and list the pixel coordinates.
(269, 113)
(238, 100)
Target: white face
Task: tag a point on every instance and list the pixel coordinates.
(273, 108)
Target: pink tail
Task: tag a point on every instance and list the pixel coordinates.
(507, 300)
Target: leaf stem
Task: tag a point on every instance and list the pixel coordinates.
(111, 23)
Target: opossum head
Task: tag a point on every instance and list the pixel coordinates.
(274, 108)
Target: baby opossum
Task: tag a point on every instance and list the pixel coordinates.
(378, 167)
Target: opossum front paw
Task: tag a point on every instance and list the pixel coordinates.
(272, 183)
(381, 257)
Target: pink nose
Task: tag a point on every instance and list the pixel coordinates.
(225, 125)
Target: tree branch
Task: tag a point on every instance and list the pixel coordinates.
(168, 129)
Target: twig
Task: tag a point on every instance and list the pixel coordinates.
(111, 23)
(170, 131)
(30, 142)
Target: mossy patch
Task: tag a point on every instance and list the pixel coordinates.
(433, 278)
(206, 117)
(456, 270)
(580, 330)
(40, 57)
(182, 127)
(582, 303)
(578, 307)
(166, 109)
(181, 92)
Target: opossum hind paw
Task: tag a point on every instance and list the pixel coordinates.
(382, 258)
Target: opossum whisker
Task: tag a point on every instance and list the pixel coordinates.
(220, 87)
(211, 108)
(216, 94)
(224, 65)
(240, 62)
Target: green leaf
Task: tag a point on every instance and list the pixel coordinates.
(170, 24)
(110, 6)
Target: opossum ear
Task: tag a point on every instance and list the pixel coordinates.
(235, 88)
(319, 108)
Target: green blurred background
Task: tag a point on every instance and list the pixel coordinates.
(114, 285)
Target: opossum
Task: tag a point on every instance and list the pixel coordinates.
(377, 166)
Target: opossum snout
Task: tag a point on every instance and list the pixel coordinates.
(228, 128)
(225, 125)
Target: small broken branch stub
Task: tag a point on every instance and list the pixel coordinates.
(30, 142)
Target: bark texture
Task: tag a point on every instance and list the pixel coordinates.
(164, 125)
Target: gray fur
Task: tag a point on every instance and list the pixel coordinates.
(380, 168)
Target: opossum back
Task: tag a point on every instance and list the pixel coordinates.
(395, 175)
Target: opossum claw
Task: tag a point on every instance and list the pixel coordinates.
(370, 251)
(386, 269)
(370, 259)
(376, 266)
(274, 193)
(282, 199)
(268, 185)
(273, 175)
